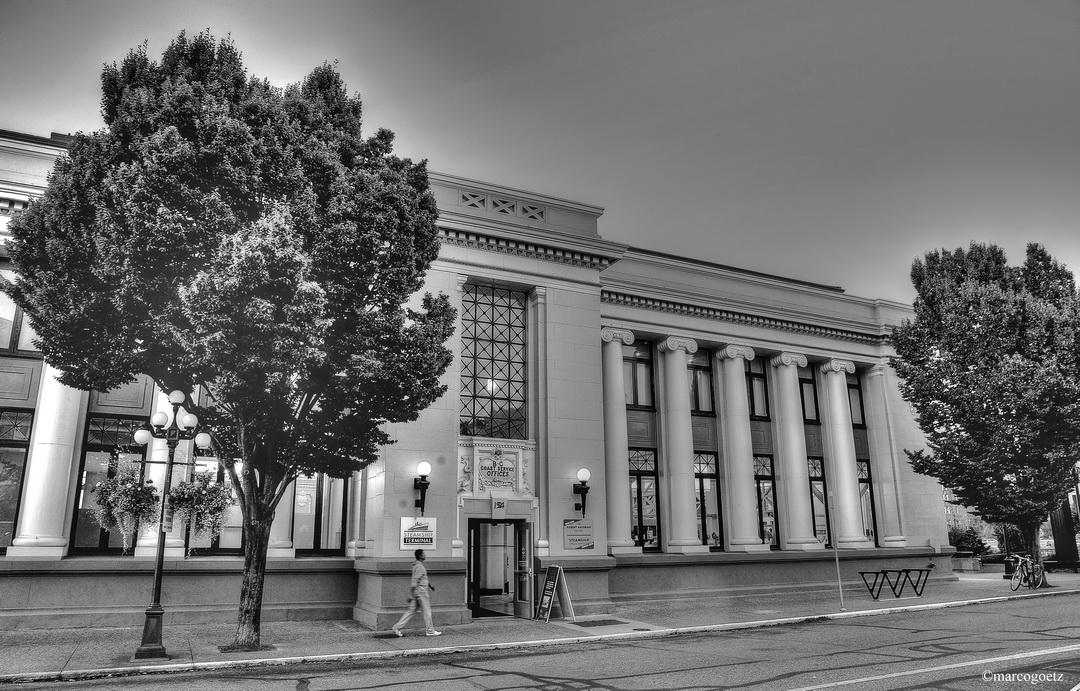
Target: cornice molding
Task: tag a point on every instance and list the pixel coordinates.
(657, 305)
(528, 250)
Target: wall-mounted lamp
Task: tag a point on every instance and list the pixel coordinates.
(423, 469)
(582, 487)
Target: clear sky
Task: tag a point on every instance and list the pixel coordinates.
(826, 140)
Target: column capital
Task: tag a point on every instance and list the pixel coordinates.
(611, 333)
(877, 370)
(673, 343)
(733, 350)
(461, 280)
(836, 365)
(539, 294)
(787, 359)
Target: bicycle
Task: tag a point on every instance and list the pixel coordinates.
(1027, 572)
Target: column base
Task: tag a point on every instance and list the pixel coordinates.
(897, 541)
(751, 547)
(633, 549)
(37, 551)
(804, 546)
(171, 552)
(855, 543)
(280, 553)
(687, 549)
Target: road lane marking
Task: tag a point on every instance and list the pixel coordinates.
(940, 668)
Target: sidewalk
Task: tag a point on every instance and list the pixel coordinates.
(67, 654)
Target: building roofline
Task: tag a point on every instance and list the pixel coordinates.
(55, 139)
(735, 269)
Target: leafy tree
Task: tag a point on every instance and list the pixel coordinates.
(223, 233)
(990, 365)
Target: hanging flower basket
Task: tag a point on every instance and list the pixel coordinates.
(202, 504)
(124, 500)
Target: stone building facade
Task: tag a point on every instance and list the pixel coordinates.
(655, 425)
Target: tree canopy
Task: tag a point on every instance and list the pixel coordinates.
(990, 365)
(225, 233)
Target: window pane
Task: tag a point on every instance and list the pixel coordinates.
(26, 335)
(628, 381)
(855, 398)
(649, 518)
(644, 384)
(817, 501)
(709, 513)
(12, 466)
(867, 510)
(808, 402)
(703, 386)
(7, 320)
(304, 516)
(87, 529)
(758, 406)
(767, 507)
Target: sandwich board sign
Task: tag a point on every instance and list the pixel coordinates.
(555, 585)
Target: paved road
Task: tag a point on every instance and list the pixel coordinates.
(958, 649)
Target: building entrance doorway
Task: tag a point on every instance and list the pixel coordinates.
(500, 568)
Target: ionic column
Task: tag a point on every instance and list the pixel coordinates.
(48, 470)
(741, 492)
(842, 471)
(679, 456)
(281, 543)
(884, 461)
(795, 477)
(616, 442)
(355, 545)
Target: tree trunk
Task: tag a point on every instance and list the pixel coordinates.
(1031, 536)
(1061, 522)
(249, 616)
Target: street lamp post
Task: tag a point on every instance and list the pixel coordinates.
(173, 431)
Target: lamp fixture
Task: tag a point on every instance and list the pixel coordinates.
(421, 484)
(581, 487)
(173, 430)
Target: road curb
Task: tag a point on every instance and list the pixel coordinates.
(77, 675)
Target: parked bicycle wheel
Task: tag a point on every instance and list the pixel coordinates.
(1014, 583)
(1037, 576)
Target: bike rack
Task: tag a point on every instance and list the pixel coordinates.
(896, 579)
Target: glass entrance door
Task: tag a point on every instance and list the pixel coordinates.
(500, 568)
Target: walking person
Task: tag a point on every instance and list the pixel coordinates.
(418, 597)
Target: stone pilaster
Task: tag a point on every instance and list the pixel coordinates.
(616, 441)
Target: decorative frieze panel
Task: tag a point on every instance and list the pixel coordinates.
(501, 205)
(495, 466)
(641, 428)
(761, 436)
